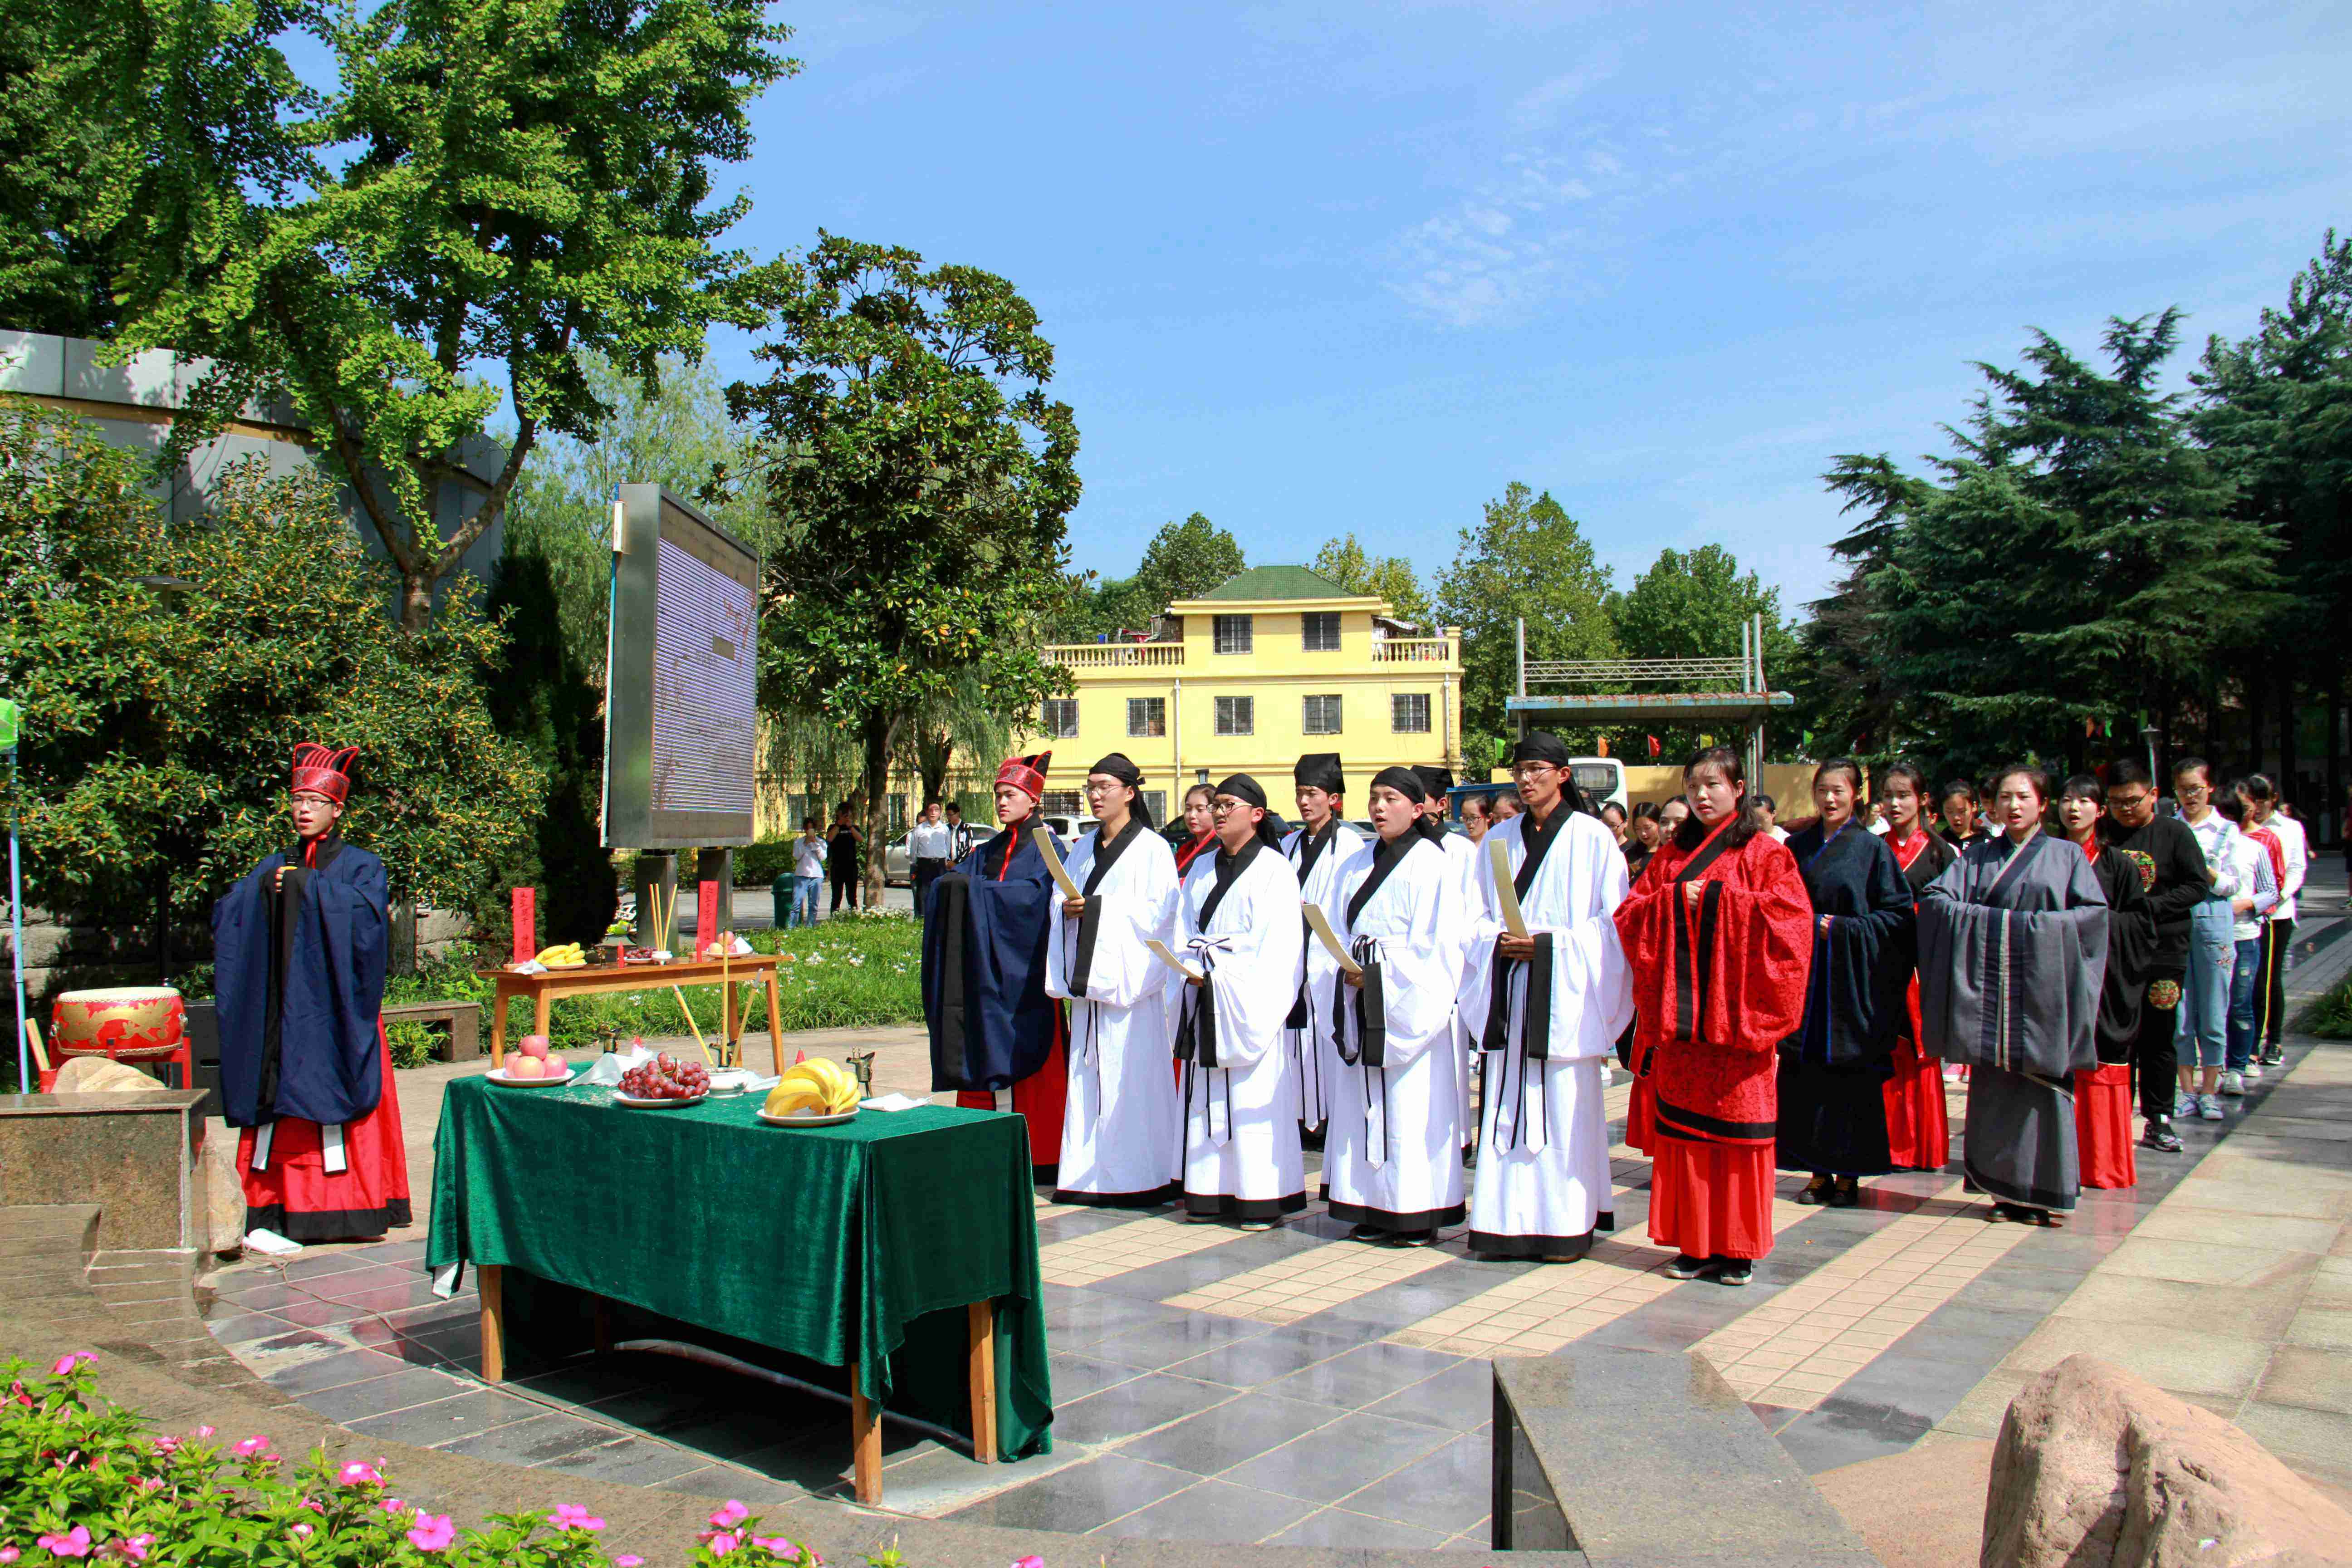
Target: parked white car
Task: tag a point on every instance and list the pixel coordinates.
(899, 869)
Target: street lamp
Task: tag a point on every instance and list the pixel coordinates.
(2149, 734)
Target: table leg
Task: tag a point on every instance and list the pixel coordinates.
(546, 1004)
(489, 1279)
(499, 1028)
(776, 1020)
(981, 1323)
(865, 1442)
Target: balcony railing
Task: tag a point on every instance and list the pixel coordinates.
(1414, 650)
(1116, 656)
(1727, 672)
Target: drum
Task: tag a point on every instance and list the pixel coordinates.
(126, 1023)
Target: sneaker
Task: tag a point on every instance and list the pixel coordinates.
(2160, 1137)
(2253, 1069)
(2273, 1056)
(1685, 1266)
(1734, 1271)
(2233, 1082)
(2209, 1107)
(2184, 1104)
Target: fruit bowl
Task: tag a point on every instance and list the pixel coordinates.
(833, 1120)
(499, 1075)
(633, 1103)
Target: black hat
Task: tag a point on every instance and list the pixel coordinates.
(1242, 787)
(1436, 780)
(1320, 770)
(1118, 767)
(1407, 781)
(1540, 746)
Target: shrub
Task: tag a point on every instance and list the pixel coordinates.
(80, 1478)
(2330, 1017)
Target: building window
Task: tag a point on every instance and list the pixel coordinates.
(1320, 631)
(897, 814)
(1237, 715)
(1233, 633)
(1147, 716)
(1155, 801)
(1062, 803)
(1061, 717)
(1323, 715)
(1409, 712)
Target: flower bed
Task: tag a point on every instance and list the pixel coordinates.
(81, 1480)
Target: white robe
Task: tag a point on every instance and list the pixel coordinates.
(1310, 1048)
(1393, 1156)
(1241, 1159)
(1464, 857)
(1542, 1184)
(1121, 1134)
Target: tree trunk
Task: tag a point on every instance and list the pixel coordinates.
(415, 601)
(2287, 727)
(881, 736)
(931, 765)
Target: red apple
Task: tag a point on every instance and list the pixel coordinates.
(534, 1045)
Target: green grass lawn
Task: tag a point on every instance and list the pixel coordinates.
(846, 973)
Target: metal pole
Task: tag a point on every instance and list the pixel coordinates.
(16, 931)
(1522, 656)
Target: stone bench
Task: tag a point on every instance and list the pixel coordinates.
(139, 1156)
(464, 1018)
(1638, 1457)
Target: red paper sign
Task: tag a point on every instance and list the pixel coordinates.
(526, 924)
(705, 916)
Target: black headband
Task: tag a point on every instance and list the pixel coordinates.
(1540, 746)
(1242, 787)
(1118, 767)
(1406, 782)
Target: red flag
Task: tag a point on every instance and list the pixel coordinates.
(1654, 746)
(526, 924)
(1604, 745)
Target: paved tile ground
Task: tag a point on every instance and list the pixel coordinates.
(1294, 1386)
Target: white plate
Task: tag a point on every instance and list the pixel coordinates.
(499, 1075)
(730, 1080)
(632, 1101)
(832, 1121)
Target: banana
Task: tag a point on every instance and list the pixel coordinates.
(791, 1100)
(828, 1083)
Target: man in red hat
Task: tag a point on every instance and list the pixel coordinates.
(992, 1027)
(299, 950)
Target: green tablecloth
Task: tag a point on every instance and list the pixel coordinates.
(829, 1243)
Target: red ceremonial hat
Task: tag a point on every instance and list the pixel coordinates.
(1027, 774)
(323, 770)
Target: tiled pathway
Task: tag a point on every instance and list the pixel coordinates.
(1289, 1385)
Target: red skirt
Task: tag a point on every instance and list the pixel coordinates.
(1040, 1098)
(299, 1199)
(1642, 1115)
(1712, 1200)
(1918, 1130)
(2103, 1127)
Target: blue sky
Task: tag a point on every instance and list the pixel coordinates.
(1316, 267)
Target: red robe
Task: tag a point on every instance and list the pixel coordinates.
(1918, 1126)
(1715, 991)
(1040, 1097)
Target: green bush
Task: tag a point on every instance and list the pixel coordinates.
(759, 865)
(2330, 1017)
(80, 1478)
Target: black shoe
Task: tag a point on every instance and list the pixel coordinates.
(2160, 1137)
(2273, 1056)
(1369, 1233)
(1685, 1266)
(1734, 1271)
(1413, 1239)
(1846, 1195)
(1817, 1191)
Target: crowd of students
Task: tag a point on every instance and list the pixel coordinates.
(1437, 1010)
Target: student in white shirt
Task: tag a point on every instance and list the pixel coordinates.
(2267, 812)
(930, 850)
(2203, 1035)
(799, 908)
(1769, 811)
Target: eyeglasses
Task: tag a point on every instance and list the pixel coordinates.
(1533, 770)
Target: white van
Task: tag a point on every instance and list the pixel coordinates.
(1600, 780)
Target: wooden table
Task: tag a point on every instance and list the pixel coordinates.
(865, 1423)
(594, 979)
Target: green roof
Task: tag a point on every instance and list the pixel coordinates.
(1278, 583)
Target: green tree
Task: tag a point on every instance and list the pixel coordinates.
(509, 185)
(1183, 560)
(157, 734)
(2274, 412)
(1693, 604)
(1527, 559)
(921, 479)
(1343, 561)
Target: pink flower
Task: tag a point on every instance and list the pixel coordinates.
(74, 1543)
(625, 1561)
(167, 1445)
(570, 1516)
(16, 1394)
(135, 1548)
(7, 1554)
(247, 1448)
(721, 1543)
(204, 1431)
(733, 1514)
(432, 1533)
(359, 1472)
(775, 1544)
(393, 1505)
(302, 1530)
(1029, 1563)
(313, 1505)
(70, 1360)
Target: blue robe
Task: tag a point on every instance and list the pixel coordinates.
(1833, 1070)
(985, 933)
(299, 980)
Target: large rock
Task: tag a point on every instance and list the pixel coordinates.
(97, 1075)
(2097, 1467)
(223, 1194)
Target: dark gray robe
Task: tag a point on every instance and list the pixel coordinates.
(2012, 954)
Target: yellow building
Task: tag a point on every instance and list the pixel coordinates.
(1274, 663)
